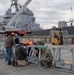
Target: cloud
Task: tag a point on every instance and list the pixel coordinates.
(47, 12)
(4, 5)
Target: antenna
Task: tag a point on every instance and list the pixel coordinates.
(71, 18)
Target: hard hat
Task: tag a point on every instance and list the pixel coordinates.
(27, 42)
(21, 42)
(30, 43)
(43, 47)
(12, 33)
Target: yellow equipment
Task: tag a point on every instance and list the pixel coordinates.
(56, 37)
(55, 40)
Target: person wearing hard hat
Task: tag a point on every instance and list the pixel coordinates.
(61, 38)
(17, 39)
(30, 43)
(47, 56)
(27, 42)
(9, 42)
(13, 34)
(21, 54)
(36, 48)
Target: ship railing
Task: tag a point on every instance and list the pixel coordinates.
(2, 51)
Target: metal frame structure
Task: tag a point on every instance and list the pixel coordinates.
(32, 57)
(59, 63)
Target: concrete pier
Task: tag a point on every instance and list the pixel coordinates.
(28, 70)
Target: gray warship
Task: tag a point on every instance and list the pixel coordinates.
(22, 18)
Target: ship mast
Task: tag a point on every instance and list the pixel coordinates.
(14, 3)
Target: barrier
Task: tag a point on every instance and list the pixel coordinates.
(2, 48)
(59, 62)
(32, 56)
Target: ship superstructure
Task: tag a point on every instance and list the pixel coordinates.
(23, 18)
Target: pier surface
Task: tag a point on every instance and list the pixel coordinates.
(28, 70)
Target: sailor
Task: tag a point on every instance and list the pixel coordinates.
(36, 48)
(28, 43)
(9, 42)
(21, 54)
(16, 39)
(61, 38)
(48, 58)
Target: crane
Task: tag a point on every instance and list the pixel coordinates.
(71, 21)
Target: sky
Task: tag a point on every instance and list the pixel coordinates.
(47, 12)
